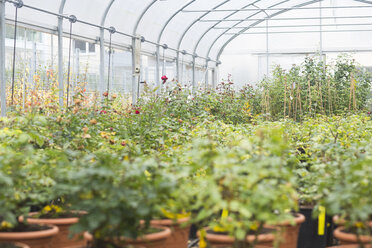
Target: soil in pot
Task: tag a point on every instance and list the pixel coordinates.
(349, 237)
(218, 239)
(13, 245)
(35, 236)
(64, 222)
(180, 233)
(155, 239)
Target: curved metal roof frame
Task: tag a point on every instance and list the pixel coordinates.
(148, 7)
(214, 24)
(255, 24)
(258, 22)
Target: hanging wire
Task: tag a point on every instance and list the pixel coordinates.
(17, 5)
(72, 20)
(112, 31)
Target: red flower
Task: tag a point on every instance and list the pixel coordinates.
(137, 112)
(103, 112)
(164, 78)
(369, 113)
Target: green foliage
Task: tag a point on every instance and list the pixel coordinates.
(315, 88)
(249, 178)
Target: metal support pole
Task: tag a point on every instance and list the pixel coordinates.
(267, 48)
(164, 70)
(112, 72)
(61, 87)
(33, 63)
(2, 59)
(102, 50)
(77, 70)
(24, 69)
(157, 72)
(206, 74)
(102, 63)
(193, 74)
(320, 31)
(178, 67)
(51, 51)
(214, 78)
(134, 77)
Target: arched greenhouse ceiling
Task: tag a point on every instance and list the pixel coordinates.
(204, 27)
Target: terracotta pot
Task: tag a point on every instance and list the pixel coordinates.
(341, 222)
(349, 238)
(37, 239)
(222, 240)
(180, 234)
(20, 245)
(154, 240)
(61, 240)
(289, 233)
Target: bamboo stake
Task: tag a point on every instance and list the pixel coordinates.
(354, 92)
(285, 96)
(309, 87)
(329, 96)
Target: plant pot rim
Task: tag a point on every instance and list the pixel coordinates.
(164, 234)
(52, 221)
(223, 238)
(350, 237)
(170, 222)
(30, 235)
(341, 221)
(299, 219)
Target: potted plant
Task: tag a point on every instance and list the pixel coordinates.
(59, 211)
(120, 198)
(22, 184)
(348, 194)
(246, 191)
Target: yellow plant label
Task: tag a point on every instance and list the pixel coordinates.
(202, 242)
(225, 214)
(321, 221)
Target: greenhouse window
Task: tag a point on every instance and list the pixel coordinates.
(85, 47)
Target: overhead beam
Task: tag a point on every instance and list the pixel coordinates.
(289, 18)
(300, 32)
(279, 9)
(301, 26)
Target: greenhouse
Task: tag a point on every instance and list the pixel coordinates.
(185, 123)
